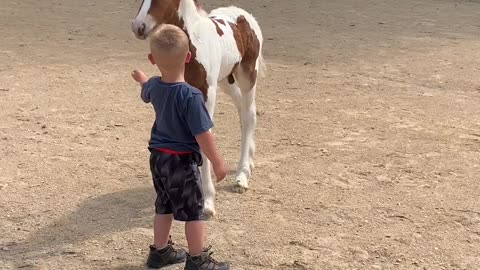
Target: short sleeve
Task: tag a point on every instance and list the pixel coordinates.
(197, 117)
(146, 89)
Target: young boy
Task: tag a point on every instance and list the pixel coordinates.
(181, 128)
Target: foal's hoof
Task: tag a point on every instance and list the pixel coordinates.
(208, 211)
(240, 186)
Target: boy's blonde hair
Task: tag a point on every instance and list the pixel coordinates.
(169, 46)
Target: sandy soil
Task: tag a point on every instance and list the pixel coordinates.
(368, 138)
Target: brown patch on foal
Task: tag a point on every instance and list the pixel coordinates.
(248, 46)
(219, 30)
(166, 12)
(195, 73)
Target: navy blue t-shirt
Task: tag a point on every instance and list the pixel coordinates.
(180, 115)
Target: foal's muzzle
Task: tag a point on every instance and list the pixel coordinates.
(139, 29)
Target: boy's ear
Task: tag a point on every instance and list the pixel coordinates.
(188, 58)
(152, 60)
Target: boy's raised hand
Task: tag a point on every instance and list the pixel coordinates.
(139, 76)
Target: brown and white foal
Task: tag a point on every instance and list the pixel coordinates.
(226, 48)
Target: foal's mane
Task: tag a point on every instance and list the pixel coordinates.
(200, 8)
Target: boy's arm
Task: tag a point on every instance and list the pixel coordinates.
(142, 79)
(199, 123)
(209, 148)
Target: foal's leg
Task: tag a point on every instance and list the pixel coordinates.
(207, 184)
(234, 92)
(248, 118)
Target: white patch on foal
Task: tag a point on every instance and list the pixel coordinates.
(143, 18)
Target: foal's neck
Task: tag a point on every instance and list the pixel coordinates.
(189, 11)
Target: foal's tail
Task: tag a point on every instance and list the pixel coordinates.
(261, 65)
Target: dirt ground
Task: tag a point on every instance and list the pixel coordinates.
(368, 138)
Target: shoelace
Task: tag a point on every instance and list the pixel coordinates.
(170, 242)
(210, 253)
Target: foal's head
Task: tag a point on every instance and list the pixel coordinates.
(156, 12)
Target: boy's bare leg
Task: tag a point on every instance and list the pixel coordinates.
(195, 233)
(161, 230)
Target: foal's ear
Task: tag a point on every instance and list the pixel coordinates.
(151, 59)
(188, 58)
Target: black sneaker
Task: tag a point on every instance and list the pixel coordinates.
(204, 261)
(167, 256)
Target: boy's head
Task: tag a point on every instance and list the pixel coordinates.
(169, 47)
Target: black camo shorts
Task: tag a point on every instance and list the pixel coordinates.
(178, 185)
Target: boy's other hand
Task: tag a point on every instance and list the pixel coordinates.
(139, 76)
(208, 146)
(220, 170)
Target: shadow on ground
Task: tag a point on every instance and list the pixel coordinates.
(136, 267)
(94, 218)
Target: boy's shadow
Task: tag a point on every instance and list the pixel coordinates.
(96, 216)
(136, 267)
